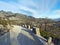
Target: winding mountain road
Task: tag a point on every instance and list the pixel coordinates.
(21, 36)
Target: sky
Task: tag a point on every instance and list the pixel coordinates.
(35, 8)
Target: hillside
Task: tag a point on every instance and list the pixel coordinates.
(58, 19)
(22, 18)
(48, 27)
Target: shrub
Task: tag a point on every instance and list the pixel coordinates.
(47, 34)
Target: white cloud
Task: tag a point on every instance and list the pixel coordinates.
(8, 7)
(27, 2)
(43, 7)
(54, 14)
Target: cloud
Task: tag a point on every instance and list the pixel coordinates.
(26, 12)
(55, 14)
(8, 7)
(45, 7)
(36, 8)
(15, 7)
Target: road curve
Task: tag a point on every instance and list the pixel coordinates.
(21, 36)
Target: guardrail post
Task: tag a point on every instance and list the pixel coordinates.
(37, 31)
(25, 26)
(50, 41)
(28, 26)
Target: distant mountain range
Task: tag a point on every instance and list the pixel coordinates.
(23, 18)
(57, 19)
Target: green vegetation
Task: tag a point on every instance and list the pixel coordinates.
(3, 22)
(47, 34)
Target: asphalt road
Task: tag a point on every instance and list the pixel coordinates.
(20, 36)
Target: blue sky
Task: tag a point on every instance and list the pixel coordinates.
(35, 8)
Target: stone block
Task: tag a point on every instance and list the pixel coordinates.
(37, 31)
(28, 26)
